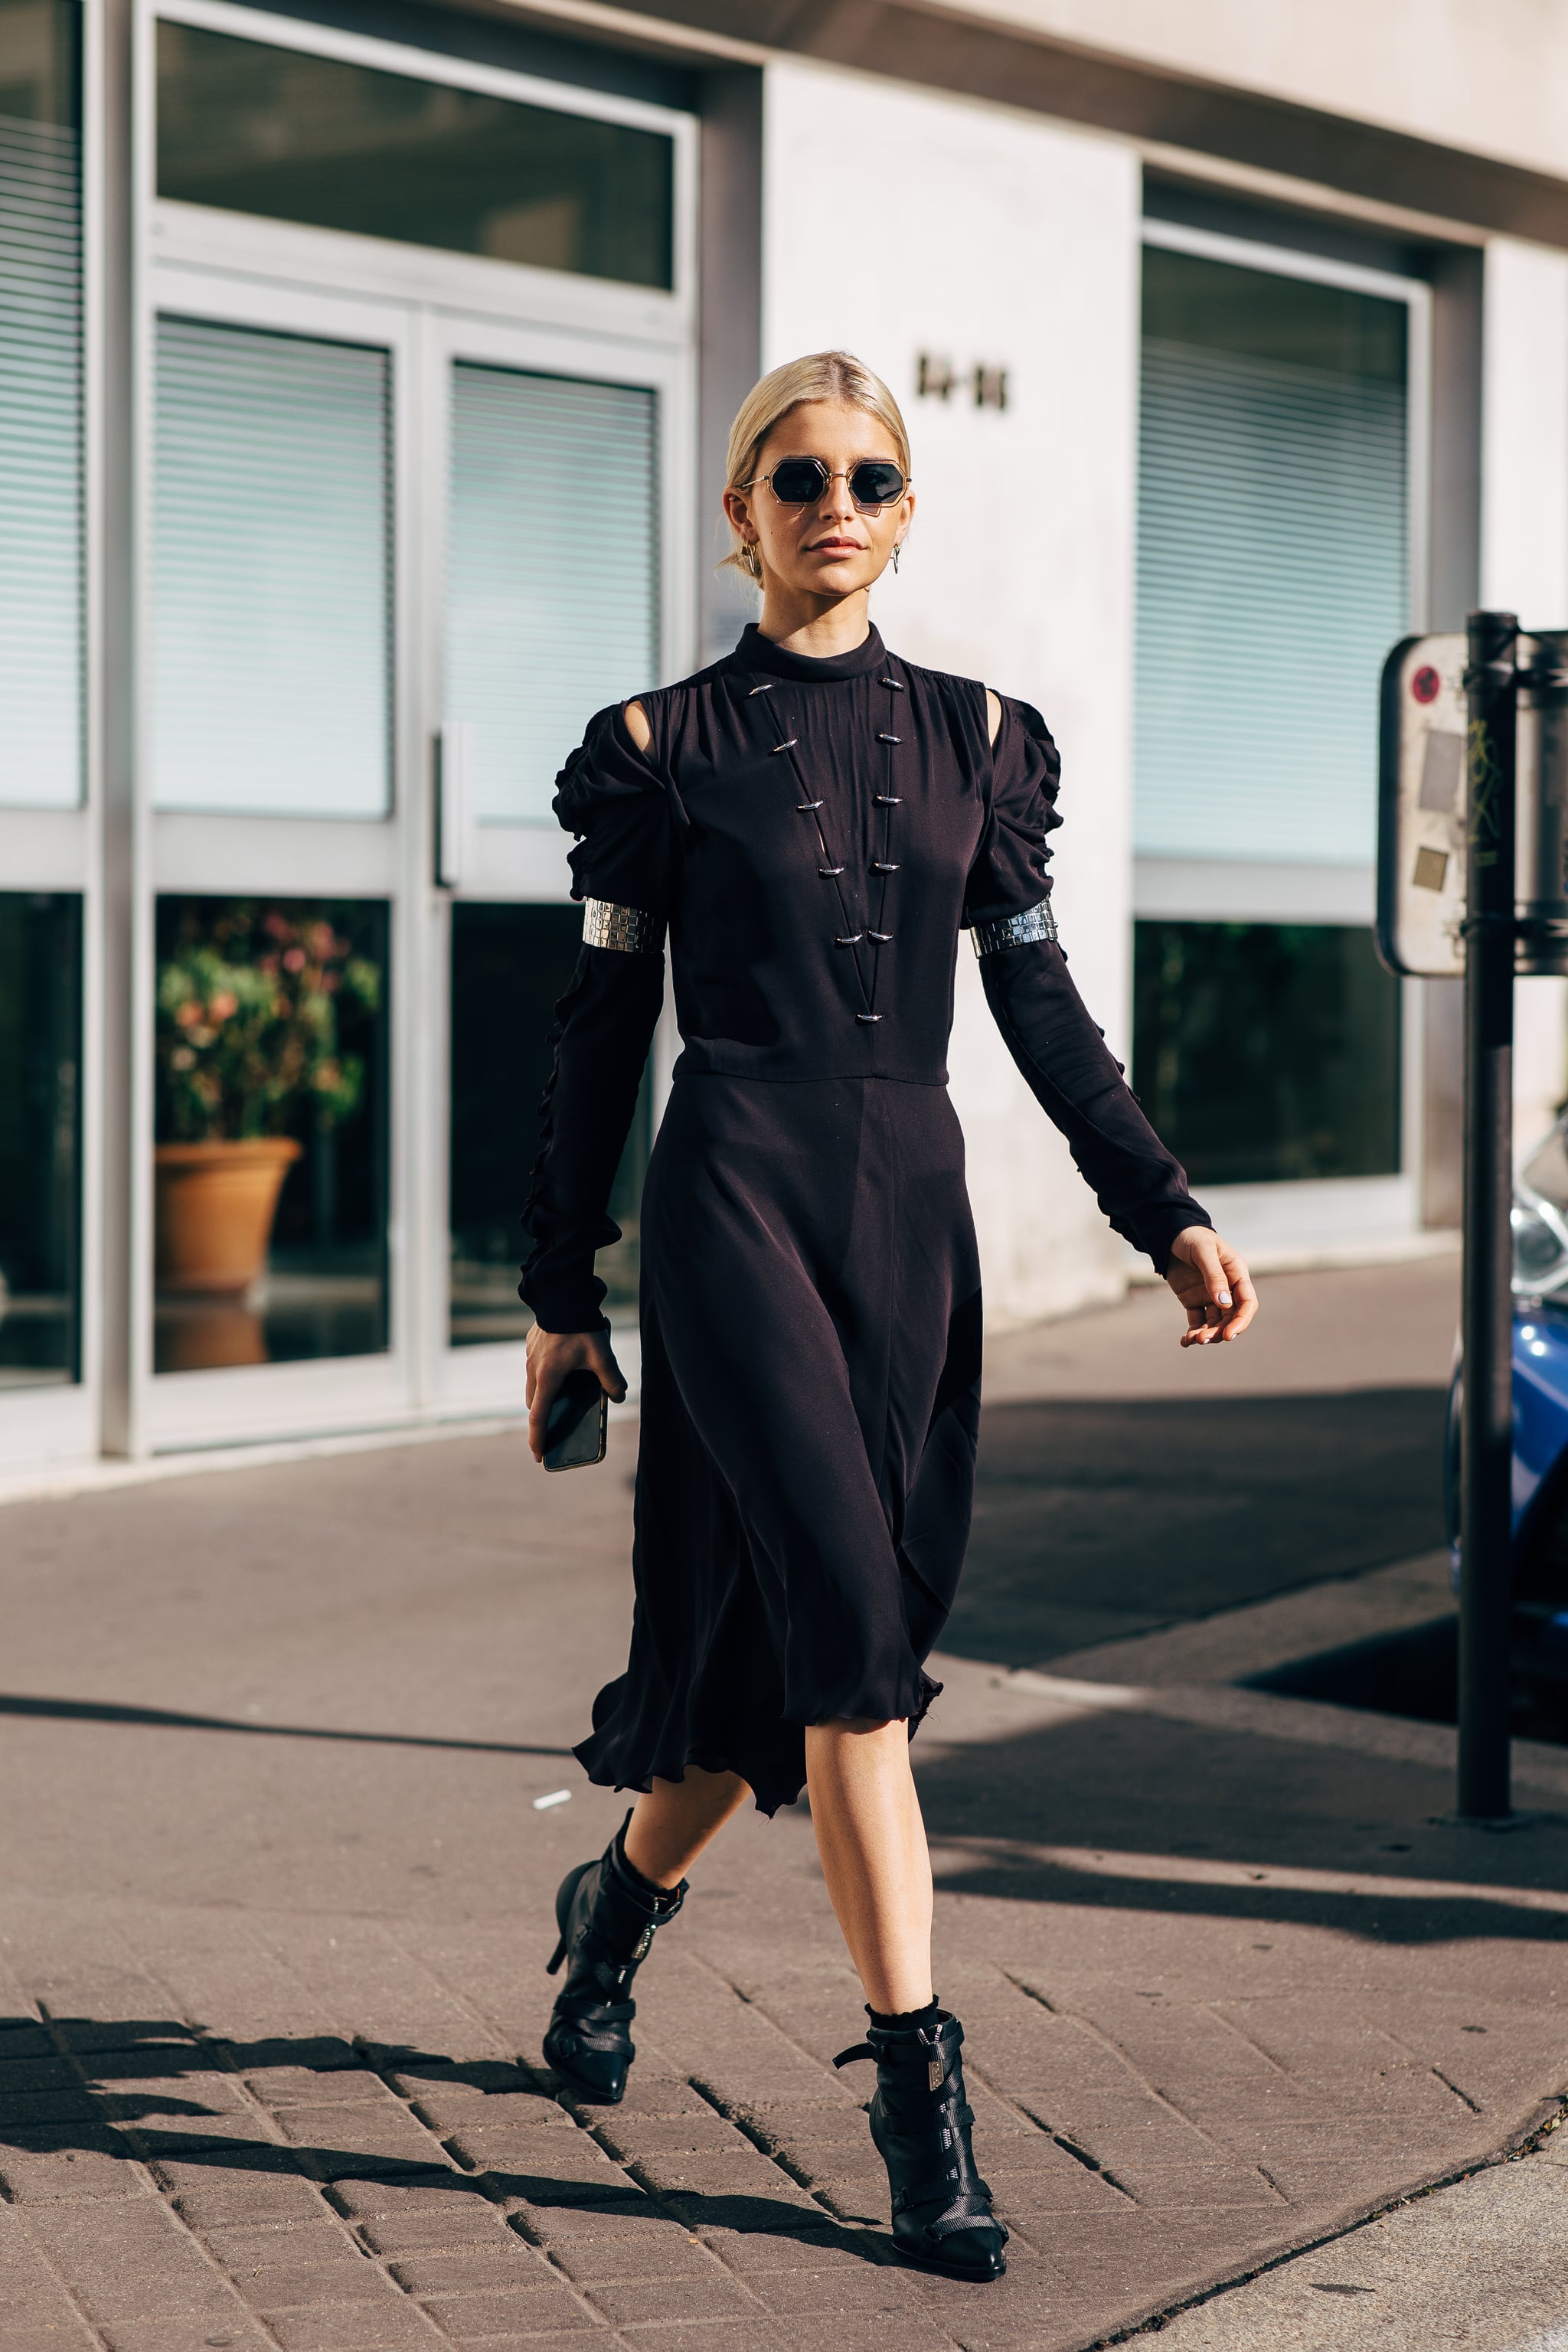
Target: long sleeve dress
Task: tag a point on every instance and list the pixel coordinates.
(811, 835)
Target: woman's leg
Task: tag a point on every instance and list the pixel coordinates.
(671, 1825)
(872, 1841)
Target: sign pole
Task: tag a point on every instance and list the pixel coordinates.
(1485, 1513)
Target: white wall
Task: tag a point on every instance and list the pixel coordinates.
(897, 222)
(1524, 557)
(1491, 79)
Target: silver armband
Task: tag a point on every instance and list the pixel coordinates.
(1016, 931)
(630, 928)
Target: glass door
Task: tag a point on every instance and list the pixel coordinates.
(282, 811)
(557, 593)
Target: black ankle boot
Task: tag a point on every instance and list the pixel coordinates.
(607, 1913)
(921, 2122)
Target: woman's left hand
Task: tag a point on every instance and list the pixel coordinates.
(1212, 1281)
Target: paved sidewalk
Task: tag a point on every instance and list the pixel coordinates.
(276, 1905)
(1481, 2264)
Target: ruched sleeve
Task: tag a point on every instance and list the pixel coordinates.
(1009, 876)
(1140, 1187)
(613, 801)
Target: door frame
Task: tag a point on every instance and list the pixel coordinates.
(526, 863)
(243, 271)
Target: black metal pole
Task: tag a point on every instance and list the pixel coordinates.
(1485, 1537)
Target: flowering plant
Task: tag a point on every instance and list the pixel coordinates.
(247, 999)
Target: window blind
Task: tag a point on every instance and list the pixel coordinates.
(1271, 562)
(553, 580)
(272, 573)
(41, 650)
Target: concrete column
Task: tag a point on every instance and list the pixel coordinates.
(896, 223)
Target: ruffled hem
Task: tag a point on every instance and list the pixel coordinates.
(770, 1785)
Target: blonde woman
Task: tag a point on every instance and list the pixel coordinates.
(813, 821)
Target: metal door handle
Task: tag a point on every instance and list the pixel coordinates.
(454, 799)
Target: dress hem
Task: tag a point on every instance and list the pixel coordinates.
(767, 1798)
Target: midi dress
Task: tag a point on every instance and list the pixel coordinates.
(811, 836)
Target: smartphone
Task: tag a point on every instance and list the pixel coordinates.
(577, 1425)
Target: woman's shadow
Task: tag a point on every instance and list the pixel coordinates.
(71, 2086)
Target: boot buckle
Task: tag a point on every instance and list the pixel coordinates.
(935, 2071)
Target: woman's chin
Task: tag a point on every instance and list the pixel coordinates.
(836, 579)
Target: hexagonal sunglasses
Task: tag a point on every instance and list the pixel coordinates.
(874, 483)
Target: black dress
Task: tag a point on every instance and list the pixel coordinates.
(814, 834)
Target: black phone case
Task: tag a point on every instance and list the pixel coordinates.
(576, 1431)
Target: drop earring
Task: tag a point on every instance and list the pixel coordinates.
(897, 551)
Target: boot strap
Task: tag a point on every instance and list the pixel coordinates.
(950, 2187)
(952, 2221)
(847, 2057)
(599, 2027)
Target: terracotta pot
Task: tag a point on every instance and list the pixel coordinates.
(213, 1208)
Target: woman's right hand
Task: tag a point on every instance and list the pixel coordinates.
(550, 1356)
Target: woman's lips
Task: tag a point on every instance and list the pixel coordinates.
(836, 547)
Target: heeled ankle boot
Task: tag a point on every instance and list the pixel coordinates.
(607, 1913)
(921, 2123)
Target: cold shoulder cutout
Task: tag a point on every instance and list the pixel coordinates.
(613, 797)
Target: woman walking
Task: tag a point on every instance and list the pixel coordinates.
(812, 821)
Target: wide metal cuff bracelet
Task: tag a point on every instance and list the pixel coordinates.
(604, 926)
(1016, 931)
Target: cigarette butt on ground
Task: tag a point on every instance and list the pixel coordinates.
(556, 1797)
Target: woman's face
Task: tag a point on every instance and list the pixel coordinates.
(830, 548)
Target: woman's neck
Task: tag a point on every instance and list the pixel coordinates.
(812, 626)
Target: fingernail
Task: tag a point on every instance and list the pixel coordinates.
(1225, 1298)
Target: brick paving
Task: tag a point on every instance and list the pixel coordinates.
(273, 1993)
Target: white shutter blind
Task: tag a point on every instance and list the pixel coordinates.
(273, 671)
(1271, 564)
(552, 582)
(40, 465)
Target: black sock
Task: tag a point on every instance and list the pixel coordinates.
(905, 2020)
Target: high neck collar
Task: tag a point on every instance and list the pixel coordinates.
(759, 653)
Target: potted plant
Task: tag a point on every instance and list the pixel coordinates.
(247, 1000)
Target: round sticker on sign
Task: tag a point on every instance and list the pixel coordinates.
(1426, 685)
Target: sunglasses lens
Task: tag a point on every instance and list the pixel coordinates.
(875, 483)
(798, 480)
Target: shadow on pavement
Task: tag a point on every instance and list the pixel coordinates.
(163, 1718)
(67, 2084)
(1097, 1520)
(1086, 1812)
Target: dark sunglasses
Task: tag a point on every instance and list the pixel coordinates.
(874, 483)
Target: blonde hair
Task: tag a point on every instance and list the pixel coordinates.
(821, 376)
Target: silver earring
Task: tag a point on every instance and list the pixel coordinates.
(753, 561)
(898, 550)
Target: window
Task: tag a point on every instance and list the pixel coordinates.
(509, 966)
(40, 1059)
(552, 577)
(1272, 560)
(270, 1166)
(41, 649)
(257, 129)
(272, 576)
(1267, 1052)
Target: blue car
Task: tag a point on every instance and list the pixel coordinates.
(1539, 1419)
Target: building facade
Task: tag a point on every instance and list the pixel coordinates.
(365, 370)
